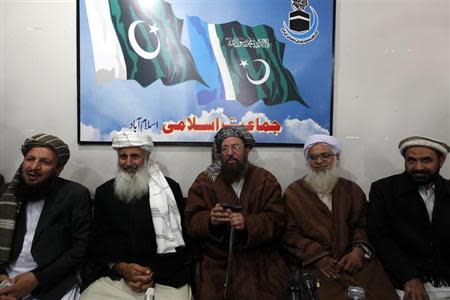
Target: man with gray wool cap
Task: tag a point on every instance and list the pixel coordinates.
(44, 225)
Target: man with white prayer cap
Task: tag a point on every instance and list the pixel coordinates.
(138, 240)
(236, 205)
(409, 221)
(326, 231)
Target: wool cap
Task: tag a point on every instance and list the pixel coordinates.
(415, 141)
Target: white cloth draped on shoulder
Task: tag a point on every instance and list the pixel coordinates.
(165, 214)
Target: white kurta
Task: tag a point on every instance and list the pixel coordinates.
(25, 261)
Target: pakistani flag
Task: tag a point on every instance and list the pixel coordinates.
(139, 40)
(240, 63)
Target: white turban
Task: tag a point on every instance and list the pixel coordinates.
(321, 139)
(129, 138)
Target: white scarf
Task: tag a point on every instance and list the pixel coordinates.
(165, 214)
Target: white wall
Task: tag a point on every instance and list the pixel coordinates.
(391, 80)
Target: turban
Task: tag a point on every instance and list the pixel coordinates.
(10, 205)
(124, 139)
(321, 139)
(231, 131)
(415, 141)
(50, 141)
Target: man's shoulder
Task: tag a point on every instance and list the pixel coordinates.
(348, 182)
(297, 189)
(171, 182)
(176, 188)
(443, 183)
(108, 185)
(260, 171)
(348, 187)
(393, 187)
(68, 191)
(203, 178)
(299, 183)
(65, 184)
(390, 180)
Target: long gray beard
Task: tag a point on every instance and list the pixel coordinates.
(129, 187)
(322, 182)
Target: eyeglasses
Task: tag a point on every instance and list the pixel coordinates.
(323, 156)
(233, 147)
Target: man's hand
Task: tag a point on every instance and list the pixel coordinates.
(138, 277)
(328, 266)
(22, 285)
(218, 215)
(4, 277)
(352, 262)
(414, 290)
(237, 220)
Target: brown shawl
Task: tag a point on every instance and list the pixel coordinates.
(314, 231)
(258, 271)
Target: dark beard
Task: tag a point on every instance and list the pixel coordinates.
(424, 178)
(232, 173)
(34, 192)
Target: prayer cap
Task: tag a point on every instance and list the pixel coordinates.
(128, 138)
(321, 139)
(415, 141)
(50, 141)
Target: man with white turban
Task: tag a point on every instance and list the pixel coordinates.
(409, 221)
(138, 240)
(326, 231)
(254, 266)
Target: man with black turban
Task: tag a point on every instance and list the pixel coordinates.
(256, 269)
(44, 225)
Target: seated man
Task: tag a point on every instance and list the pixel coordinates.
(326, 227)
(254, 266)
(44, 225)
(409, 221)
(137, 238)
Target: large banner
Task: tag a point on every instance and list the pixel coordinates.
(181, 70)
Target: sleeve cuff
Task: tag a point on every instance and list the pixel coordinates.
(368, 254)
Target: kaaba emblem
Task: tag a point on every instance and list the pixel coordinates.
(303, 23)
(299, 20)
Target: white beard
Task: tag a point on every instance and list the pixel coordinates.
(129, 187)
(322, 182)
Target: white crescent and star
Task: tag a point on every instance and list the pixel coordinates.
(134, 44)
(266, 72)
